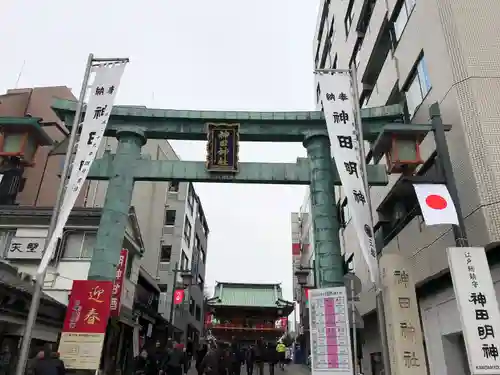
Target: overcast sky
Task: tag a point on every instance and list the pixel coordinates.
(189, 54)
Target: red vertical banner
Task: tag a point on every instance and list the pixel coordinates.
(306, 295)
(284, 324)
(178, 296)
(116, 293)
(295, 249)
(85, 324)
(208, 319)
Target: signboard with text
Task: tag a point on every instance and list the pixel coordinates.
(222, 147)
(116, 293)
(25, 248)
(85, 324)
(404, 331)
(329, 330)
(478, 307)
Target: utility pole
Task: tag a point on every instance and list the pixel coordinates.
(172, 299)
(40, 277)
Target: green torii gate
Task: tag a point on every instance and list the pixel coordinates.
(133, 125)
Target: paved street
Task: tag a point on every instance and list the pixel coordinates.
(289, 370)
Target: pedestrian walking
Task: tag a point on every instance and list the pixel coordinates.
(236, 357)
(48, 363)
(250, 359)
(281, 353)
(271, 357)
(211, 361)
(260, 356)
(189, 353)
(175, 360)
(200, 353)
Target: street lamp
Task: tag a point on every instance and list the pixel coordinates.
(302, 274)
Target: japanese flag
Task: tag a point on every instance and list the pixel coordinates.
(436, 204)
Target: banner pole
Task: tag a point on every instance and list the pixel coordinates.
(380, 308)
(40, 276)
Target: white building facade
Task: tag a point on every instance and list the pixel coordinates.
(420, 52)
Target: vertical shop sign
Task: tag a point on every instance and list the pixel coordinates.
(85, 324)
(478, 307)
(116, 293)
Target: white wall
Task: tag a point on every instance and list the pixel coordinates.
(441, 325)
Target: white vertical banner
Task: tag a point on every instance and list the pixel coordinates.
(478, 307)
(103, 92)
(338, 107)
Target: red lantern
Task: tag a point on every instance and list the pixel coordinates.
(404, 155)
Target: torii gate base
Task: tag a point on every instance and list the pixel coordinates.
(133, 125)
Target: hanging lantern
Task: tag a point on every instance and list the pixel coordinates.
(403, 155)
(20, 138)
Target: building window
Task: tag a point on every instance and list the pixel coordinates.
(170, 217)
(190, 200)
(187, 231)
(194, 262)
(166, 253)
(192, 305)
(355, 54)
(130, 262)
(198, 313)
(403, 17)
(202, 255)
(173, 187)
(418, 87)
(349, 16)
(79, 245)
(184, 261)
(334, 64)
(201, 282)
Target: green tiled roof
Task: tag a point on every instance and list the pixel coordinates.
(248, 295)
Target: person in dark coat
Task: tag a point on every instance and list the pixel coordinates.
(236, 357)
(250, 359)
(49, 363)
(200, 354)
(189, 353)
(211, 361)
(260, 356)
(271, 356)
(145, 364)
(175, 361)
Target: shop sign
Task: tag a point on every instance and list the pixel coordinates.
(85, 324)
(116, 293)
(26, 248)
(478, 307)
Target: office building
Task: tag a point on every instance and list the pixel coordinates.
(418, 53)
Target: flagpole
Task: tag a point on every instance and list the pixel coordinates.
(443, 158)
(362, 162)
(40, 277)
(378, 288)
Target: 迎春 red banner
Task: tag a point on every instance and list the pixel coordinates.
(89, 307)
(116, 293)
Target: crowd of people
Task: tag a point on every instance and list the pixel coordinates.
(212, 358)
